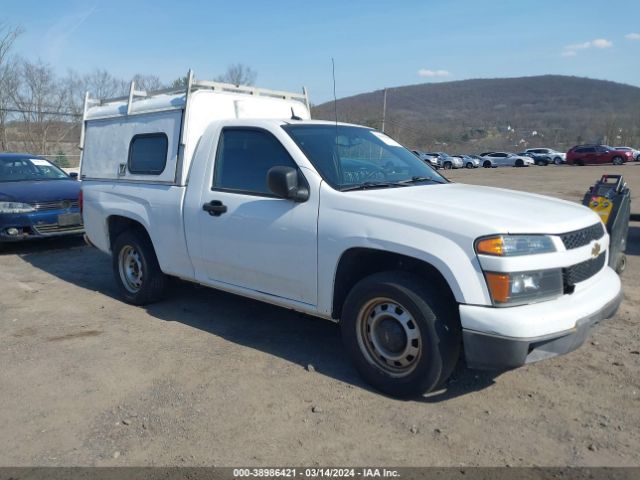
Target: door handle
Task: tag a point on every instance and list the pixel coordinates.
(215, 208)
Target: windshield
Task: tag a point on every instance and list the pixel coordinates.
(18, 169)
(349, 157)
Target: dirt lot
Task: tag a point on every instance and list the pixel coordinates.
(208, 378)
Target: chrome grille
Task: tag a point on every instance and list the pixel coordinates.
(55, 205)
(580, 238)
(582, 271)
(52, 228)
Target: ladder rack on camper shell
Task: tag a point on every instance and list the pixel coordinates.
(192, 85)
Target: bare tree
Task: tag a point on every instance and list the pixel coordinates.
(8, 78)
(101, 84)
(42, 105)
(148, 83)
(238, 74)
(180, 82)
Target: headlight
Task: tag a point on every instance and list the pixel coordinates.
(509, 289)
(16, 207)
(514, 245)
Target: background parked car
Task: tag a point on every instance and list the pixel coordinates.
(538, 159)
(37, 199)
(505, 159)
(430, 158)
(468, 161)
(634, 152)
(448, 162)
(596, 155)
(553, 155)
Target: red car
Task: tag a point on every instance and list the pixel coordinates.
(597, 154)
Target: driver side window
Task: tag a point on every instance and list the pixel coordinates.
(243, 158)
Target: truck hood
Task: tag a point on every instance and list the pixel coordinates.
(473, 210)
(39, 191)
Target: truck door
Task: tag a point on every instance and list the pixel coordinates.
(254, 239)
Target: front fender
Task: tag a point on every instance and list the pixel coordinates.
(460, 269)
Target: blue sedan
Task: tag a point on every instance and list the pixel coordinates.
(37, 199)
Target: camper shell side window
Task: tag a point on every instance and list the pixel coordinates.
(148, 153)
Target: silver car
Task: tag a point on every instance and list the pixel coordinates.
(505, 159)
(552, 155)
(448, 162)
(634, 152)
(467, 161)
(430, 158)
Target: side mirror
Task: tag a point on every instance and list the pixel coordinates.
(285, 183)
(73, 175)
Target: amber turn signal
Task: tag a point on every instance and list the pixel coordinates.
(490, 246)
(498, 284)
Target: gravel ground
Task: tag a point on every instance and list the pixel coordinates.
(208, 378)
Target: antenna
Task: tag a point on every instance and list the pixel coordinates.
(384, 109)
(335, 101)
(336, 160)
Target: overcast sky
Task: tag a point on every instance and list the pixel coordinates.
(375, 44)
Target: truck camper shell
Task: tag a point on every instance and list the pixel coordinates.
(168, 123)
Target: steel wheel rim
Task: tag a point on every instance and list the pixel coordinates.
(389, 336)
(130, 268)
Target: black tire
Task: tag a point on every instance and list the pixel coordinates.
(132, 256)
(617, 160)
(519, 163)
(557, 161)
(486, 164)
(638, 158)
(447, 165)
(435, 338)
(469, 165)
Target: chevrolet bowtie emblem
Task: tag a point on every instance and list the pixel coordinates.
(595, 251)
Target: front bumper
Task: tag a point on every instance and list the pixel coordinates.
(527, 335)
(35, 225)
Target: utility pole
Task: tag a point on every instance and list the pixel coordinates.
(384, 108)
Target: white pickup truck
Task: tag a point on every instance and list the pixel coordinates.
(237, 189)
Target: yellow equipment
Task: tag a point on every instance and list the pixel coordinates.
(611, 199)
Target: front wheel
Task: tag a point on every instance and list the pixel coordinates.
(519, 163)
(469, 165)
(557, 161)
(447, 165)
(136, 269)
(617, 161)
(486, 164)
(403, 337)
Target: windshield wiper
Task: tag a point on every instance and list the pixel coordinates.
(417, 179)
(367, 185)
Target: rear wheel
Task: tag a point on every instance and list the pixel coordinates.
(403, 337)
(447, 165)
(136, 268)
(617, 161)
(486, 164)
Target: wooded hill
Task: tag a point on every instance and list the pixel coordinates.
(501, 113)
